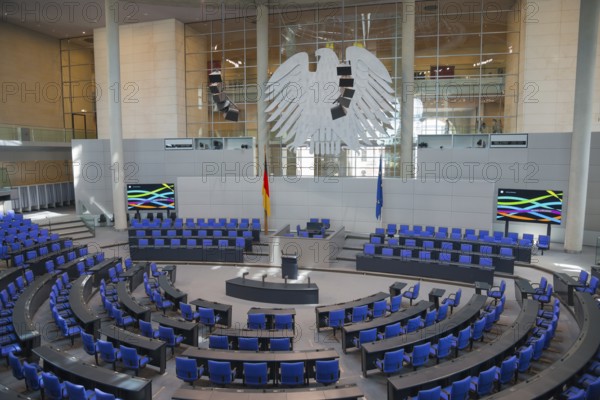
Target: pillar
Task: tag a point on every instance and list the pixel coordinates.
(582, 124)
(111, 13)
(262, 66)
(407, 91)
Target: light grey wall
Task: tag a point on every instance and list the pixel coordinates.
(544, 164)
(349, 202)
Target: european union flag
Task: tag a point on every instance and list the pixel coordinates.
(379, 192)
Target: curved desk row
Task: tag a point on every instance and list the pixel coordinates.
(194, 231)
(351, 331)
(455, 272)
(187, 329)
(171, 292)
(100, 270)
(9, 275)
(402, 387)
(223, 311)
(272, 358)
(338, 392)
(451, 325)
(322, 312)
(130, 305)
(79, 295)
(552, 379)
(24, 250)
(68, 367)
(263, 335)
(25, 308)
(272, 292)
(198, 253)
(38, 264)
(231, 241)
(270, 314)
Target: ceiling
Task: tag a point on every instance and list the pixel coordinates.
(67, 19)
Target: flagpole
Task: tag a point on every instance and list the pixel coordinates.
(264, 209)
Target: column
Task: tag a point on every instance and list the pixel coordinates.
(111, 9)
(407, 92)
(262, 65)
(582, 124)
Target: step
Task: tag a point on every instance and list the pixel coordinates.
(65, 219)
(83, 235)
(71, 231)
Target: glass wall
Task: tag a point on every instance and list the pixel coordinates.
(466, 72)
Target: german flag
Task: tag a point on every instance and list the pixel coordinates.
(265, 191)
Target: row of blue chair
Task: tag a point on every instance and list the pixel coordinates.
(248, 343)
(61, 309)
(128, 356)
(8, 340)
(187, 233)
(50, 386)
(257, 374)
(425, 255)
(444, 246)
(20, 260)
(587, 385)
(164, 333)
(178, 223)
(240, 242)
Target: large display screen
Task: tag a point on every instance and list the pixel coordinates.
(151, 196)
(521, 205)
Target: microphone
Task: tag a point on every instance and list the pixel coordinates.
(244, 275)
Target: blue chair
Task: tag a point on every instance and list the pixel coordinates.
(167, 334)
(187, 312)
(393, 242)
(187, 370)
(280, 344)
(540, 288)
(379, 309)
(391, 331)
(591, 288)
(33, 381)
(395, 303)
(412, 293)
(146, 329)
(546, 297)
(248, 343)
(445, 258)
(459, 390)
(525, 356)
(108, 353)
(406, 253)
(413, 324)
(543, 243)
(466, 248)
(257, 321)
(392, 362)
(442, 312)
(100, 395)
(506, 371)
(419, 355)
(123, 320)
(486, 262)
(375, 240)
(464, 259)
(429, 318)
(443, 348)
(161, 304)
(131, 359)
(359, 314)
(220, 372)
(429, 394)
(291, 374)
(410, 242)
(154, 270)
(496, 292)
(284, 321)
(69, 331)
(207, 317)
(424, 255)
(335, 319)
(538, 346)
(89, 345)
(218, 342)
(327, 372)
(453, 300)
(15, 366)
(462, 341)
(582, 277)
(484, 383)
(53, 388)
(255, 374)
(575, 393)
(477, 332)
(366, 336)
(78, 392)
(391, 229)
(506, 252)
(369, 249)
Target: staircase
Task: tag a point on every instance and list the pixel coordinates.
(66, 226)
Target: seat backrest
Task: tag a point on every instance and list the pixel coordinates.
(445, 257)
(525, 358)
(392, 361)
(129, 356)
(379, 308)
(442, 312)
(255, 373)
(292, 373)
(486, 381)
(257, 321)
(369, 248)
(16, 366)
(507, 369)
(280, 344)
(100, 395)
(478, 327)
(206, 315)
(186, 369)
(327, 371)
(367, 335)
(166, 333)
(283, 321)
(420, 354)
(359, 313)
(464, 338)
(392, 330)
(106, 350)
(405, 253)
(485, 261)
(416, 290)
(395, 303)
(218, 342)
(336, 318)
(248, 343)
(52, 386)
(88, 343)
(464, 259)
(593, 284)
(31, 376)
(219, 371)
(460, 389)
(387, 252)
(457, 297)
(430, 318)
(430, 394)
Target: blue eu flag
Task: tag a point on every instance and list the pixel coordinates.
(379, 192)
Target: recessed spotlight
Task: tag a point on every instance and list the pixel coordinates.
(83, 32)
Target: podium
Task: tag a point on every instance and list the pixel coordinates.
(289, 266)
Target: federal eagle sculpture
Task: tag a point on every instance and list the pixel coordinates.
(301, 102)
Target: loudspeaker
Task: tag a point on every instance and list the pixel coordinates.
(216, 87)
(344, 70)
(349, 93)
(232, 114)
(337, 112)
(223, 106)
(344, 101)
(215, 77)
(219, 97)
(346, 82)
(217, 145)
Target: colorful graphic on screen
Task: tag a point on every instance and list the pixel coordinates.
(520, 205)
(151, 196)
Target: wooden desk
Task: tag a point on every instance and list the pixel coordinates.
(481, 358)
(79, 295)
(263, 335)
(337, 392)
(187, 329)
(222, 310)
(130, 305)
(270, 314)
(68, 367)
(322, 312)
(171, 292)
(272, 358)
(155, 349)
(351, 331)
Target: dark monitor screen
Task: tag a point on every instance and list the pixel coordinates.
(151, 196)
(524, 205)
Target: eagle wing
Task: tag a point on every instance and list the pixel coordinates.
(286, 92)
(371, 107)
